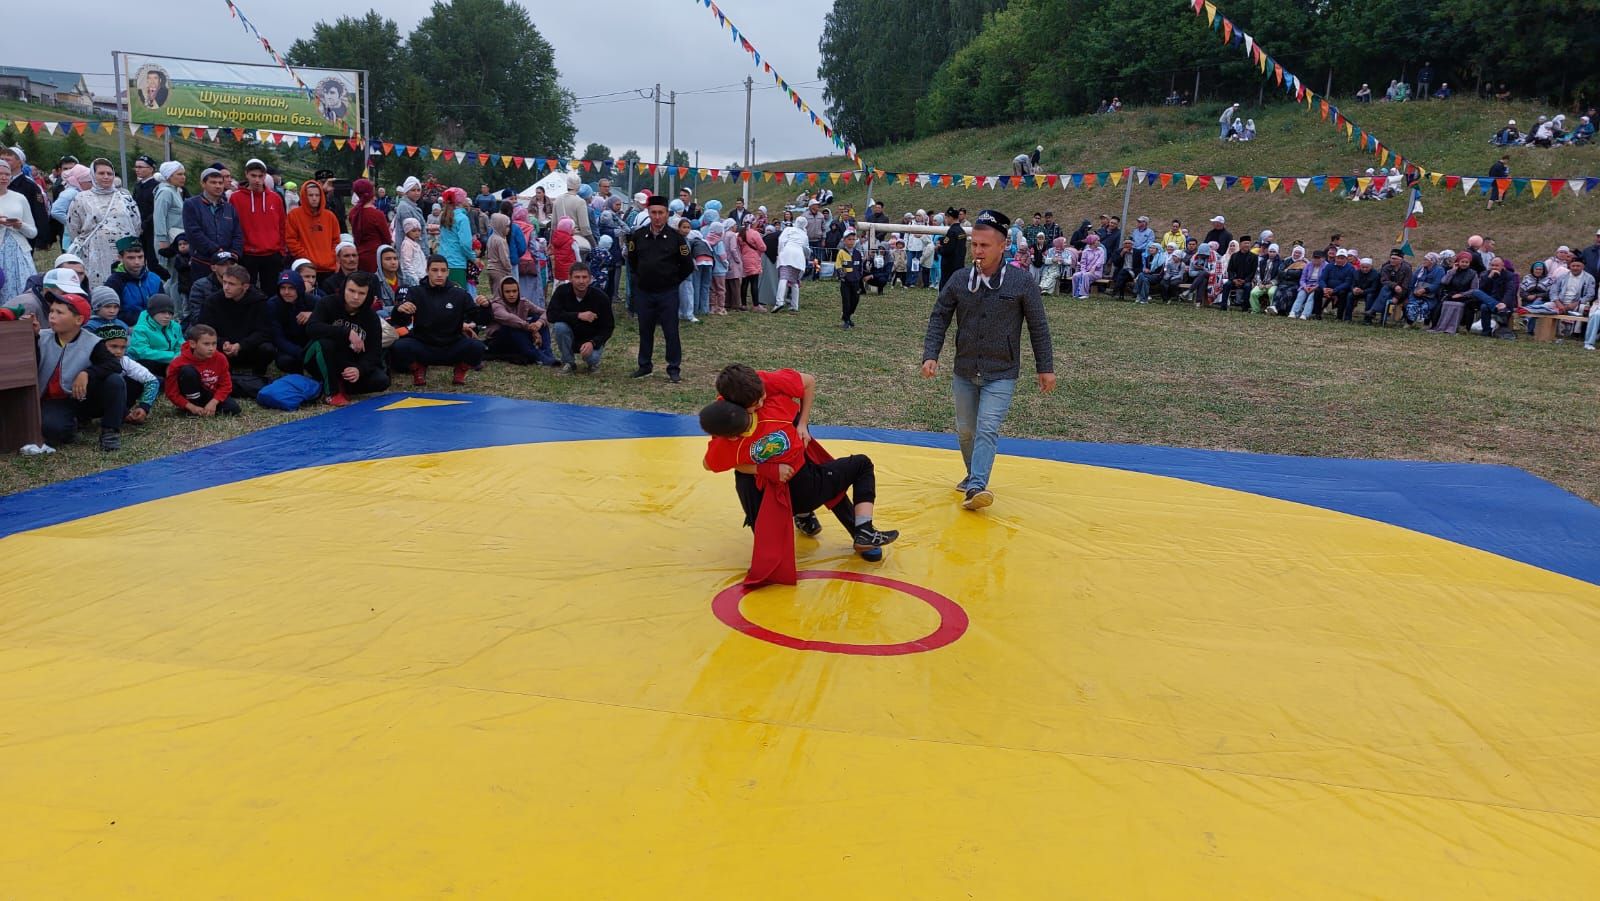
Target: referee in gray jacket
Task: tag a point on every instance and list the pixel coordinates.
(989, 301)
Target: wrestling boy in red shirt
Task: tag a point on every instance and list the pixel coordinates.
(759, 429)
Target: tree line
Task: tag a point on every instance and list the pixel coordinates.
(896, 69)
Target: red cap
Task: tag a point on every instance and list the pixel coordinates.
(79, 304)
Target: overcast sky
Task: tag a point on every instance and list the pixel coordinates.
(678, 43)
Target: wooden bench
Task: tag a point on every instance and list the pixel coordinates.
(19, 392)
(1544, 324)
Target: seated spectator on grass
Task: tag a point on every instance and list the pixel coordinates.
(1091, 266)
(198, 381)
(1424, 300)
(391, 280)
(1364, 95)
(79, 379)
(142, 385)
(1125, 267)
(133, 281)
(1535, 289)
(1583, 134)
(437, 321)
(1364, 290)
(1241, 275)
(106, 305)
(1457, 286)
(1496, 296)
(347, 261)
(1337, 281)
(1265, 282)
(207, 284)
(1571, 292)
(1507, 136)
(156, 338)
(308, 277)
(1249, 133)
(288, 311)
(1287, 290)
(238, 314)
(1310, 286)
(1173, 274)
(1152, 272)
(345, 352)
(519, 333)
(1050, 272)
(580, 320)
(1394, 285)
(1444, 92)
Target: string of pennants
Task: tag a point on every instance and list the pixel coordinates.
(1268, 184)
(1292, 84)
(828, 131)
(237, 13)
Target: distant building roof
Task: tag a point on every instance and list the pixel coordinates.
(61, 81)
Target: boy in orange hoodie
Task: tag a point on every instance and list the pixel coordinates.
(312, 230)
(198, 381)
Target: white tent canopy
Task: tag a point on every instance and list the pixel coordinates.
(554, 184)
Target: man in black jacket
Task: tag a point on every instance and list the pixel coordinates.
(437, 324)
(244, 330)
(1241, 274)
(952, 247)
(345, 347)
(1219, 234)
(989, 303)
(144, 196)
(659, 259)
(580, 317)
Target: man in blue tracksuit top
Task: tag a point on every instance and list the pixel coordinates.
(1337, 280)
(989, 302)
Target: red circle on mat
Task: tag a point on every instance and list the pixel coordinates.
(952, 619)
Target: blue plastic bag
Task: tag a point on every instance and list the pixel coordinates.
(290, 392)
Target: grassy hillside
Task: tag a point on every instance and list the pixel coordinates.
(1450, 136)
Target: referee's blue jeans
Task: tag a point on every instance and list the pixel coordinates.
(981, 406)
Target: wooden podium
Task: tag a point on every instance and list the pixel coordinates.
(19, 388)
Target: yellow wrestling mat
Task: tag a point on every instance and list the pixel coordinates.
(496, 673)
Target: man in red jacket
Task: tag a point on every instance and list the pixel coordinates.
(261, 221)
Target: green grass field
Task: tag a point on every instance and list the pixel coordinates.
(1170, 375)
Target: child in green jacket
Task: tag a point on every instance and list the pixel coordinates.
(154, 341)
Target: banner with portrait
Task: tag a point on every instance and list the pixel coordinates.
(165, 90)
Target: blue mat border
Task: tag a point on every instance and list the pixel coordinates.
(1499, 509)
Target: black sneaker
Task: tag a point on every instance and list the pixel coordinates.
(867, 539)
(808, 524)
(639, 374)
(110, 440)
(590, 369)
(566, 369)
(978, 498)
(674, 378)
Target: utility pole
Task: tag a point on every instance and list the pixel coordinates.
(655, 97)
(696, 174)
(750, 145)
(123, 113)
(672, 140)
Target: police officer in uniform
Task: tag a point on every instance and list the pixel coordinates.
(659, 259)
(952, 247)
